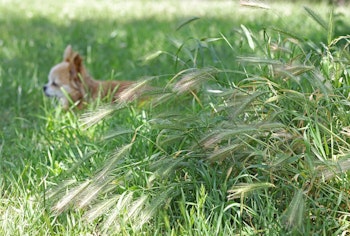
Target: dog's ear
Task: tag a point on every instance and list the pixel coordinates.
(76, 67)
(73, 58)
(77, 61)
(68, 53)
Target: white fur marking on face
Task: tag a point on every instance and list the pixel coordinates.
(58, 81)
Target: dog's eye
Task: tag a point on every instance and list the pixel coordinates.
(54, 84)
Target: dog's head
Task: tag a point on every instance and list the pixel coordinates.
(65, 79)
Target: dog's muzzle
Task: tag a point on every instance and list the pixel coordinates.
(45, 91)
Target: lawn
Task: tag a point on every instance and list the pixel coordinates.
(247, 134)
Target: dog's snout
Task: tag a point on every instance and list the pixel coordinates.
(45, 88)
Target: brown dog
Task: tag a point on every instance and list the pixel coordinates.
(70, 82)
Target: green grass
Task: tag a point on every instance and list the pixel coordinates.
(249, 133)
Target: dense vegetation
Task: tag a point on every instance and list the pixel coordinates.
(246, 134)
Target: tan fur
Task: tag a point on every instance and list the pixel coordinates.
(69, 81)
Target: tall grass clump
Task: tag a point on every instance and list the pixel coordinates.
(258, 147)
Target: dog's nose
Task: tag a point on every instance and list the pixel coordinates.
(44, 88)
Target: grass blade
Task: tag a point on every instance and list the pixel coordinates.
(316, 17)
(254, 4)
(340, 167)
(294, 214)
(186, 22)
(249, 37)
(241, 190)
(330, 27)
(70, 197)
